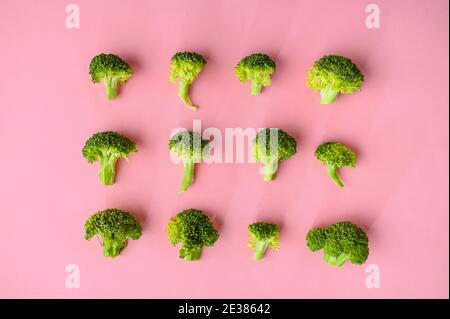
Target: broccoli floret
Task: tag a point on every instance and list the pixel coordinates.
(262, 236)
(191, 148)
(186, 66)
(113, 227)
(107, 148)
(256, 68)
(332, 75)
(334, 156)
(271, 146)
(193, 230)
(110, 69)
(340, 242)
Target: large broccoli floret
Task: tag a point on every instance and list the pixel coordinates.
(256, 68)
(113, 227)
(262, 236)
(110, 69)
(271, 146)
(332, 75)
(340, 242)
(107, 148)
(193, 230)
(191, 148)
(334, 156)
(186, 66)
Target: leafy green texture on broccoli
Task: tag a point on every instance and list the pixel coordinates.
(270, 146)
(193, 230)
(256, 68)
(332, 75)
(262, 236)
(113, 227)
(340, 242)
(107, 147)
(191, 148)
(334, 156)
(110, 69)
(186, 66)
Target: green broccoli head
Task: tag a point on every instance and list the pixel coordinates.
(256, 68)
(332, 75)
(262, 236)
(186, 66)
(340, 242)
(270, 146)
(113, 227)
(334, 156)
(110, 69)
(191, 148)
(106, 148)
(193, 230)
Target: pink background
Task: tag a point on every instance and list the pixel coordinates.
(398, 124)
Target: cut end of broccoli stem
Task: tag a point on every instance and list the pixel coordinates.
(188, 168)
(260, 250)
(256, 88)
(333, 173)
(194, 255)
(183, 93)
(113, 249)
(108, 173)
(328, 96)
(270, 170)
(111, 88)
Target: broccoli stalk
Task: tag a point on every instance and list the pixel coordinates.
(334, 156)
(186, 66)
(271, 146)
(112, 70)
(340, 242)
(192, 149)
(107, 148)
(262, 236)
(256, 68)
(193, 230)
(113, 227)
(334, 75)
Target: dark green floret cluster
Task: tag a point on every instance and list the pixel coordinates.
(262, 236)
(194, 231)
(256, 68)
(113, 227)
(106, 148)
(270, 146)
(340, 242)
(110, 69)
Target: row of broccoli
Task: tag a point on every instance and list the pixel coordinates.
(340, 242)
(269, 147)
(331, 75)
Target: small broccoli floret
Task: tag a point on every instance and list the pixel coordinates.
(193, 230)
(191, 148)
(340, 242)
(107, 148)
(271, 146)
(262, 236)
(332, 75)
(256, 68)
(110, 69)
(186, 66)
(334, 156)
(113, 227)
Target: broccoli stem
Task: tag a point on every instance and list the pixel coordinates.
(327, 95)
(256, 88)
(108, 170)
(332, 172)
(188, 167)
(113, 248)
(111, 87)
(270, 170)
(194, 254)
(260, 249)
(183, 93)
(336, 261)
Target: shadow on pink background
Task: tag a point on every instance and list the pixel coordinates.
(398, 124)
